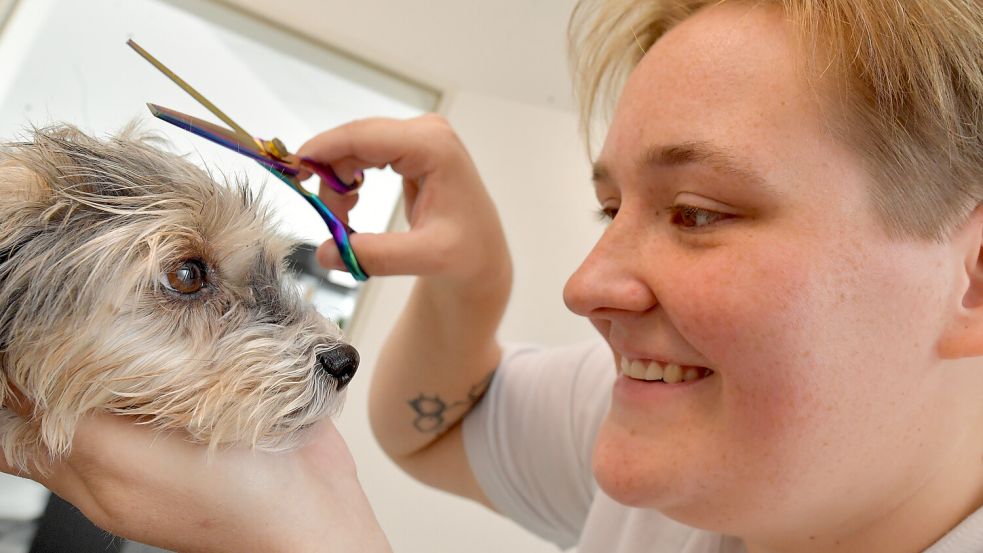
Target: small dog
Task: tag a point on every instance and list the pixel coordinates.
(132, 283)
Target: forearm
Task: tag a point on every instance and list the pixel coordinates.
(438, 360)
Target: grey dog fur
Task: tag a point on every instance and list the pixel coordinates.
(87, 229)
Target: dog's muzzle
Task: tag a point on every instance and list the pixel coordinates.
(340, 362)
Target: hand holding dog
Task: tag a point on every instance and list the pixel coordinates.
(164, 491)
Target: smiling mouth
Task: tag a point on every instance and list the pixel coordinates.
(668, 373)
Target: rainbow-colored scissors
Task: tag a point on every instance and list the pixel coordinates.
(271, 154)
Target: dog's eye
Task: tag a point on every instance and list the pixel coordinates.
(186, 279)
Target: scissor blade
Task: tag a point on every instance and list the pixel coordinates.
(218, 135)
(242, 133)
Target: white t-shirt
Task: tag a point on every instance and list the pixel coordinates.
(530, 441)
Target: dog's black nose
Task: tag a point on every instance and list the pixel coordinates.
(340, 362)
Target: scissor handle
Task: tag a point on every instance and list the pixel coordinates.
(340, 232)
(327, 174)
(338, 229)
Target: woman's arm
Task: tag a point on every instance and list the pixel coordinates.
(438, 359)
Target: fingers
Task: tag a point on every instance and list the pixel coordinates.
(451, 217)
(410, 147)
(338, 204)
(394, 253)
(349, 169)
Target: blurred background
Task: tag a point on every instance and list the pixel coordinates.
(290, 69)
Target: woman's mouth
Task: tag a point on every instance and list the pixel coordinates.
(655, 371)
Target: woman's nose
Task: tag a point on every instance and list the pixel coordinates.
(612, 277)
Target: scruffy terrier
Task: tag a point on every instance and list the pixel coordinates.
(132, 283)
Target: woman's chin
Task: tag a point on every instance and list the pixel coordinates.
(658, 476)
(632, 472)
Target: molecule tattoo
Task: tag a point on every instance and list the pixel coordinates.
(431, 410)
(430, 413)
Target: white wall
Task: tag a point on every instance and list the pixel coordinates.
(532, 162)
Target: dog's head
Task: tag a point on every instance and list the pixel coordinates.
(131, 282)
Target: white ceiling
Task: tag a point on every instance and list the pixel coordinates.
(514, 49)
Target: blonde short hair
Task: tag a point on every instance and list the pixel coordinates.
(912, 88)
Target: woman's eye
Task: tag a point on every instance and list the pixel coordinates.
(607, 214)
(690, 217)
(188, 278)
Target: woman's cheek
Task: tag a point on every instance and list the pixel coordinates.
(744, 302)
(752, 318)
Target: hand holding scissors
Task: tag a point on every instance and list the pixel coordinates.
(271, 154)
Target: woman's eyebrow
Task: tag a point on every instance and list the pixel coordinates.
(717, 158)
(600, 173)
(687, 153)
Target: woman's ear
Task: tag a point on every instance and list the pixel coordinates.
(963, 335)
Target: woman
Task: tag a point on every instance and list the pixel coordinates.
(790, 288)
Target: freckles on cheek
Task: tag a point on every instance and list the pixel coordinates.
(744, 308)
(785, 399)
(751, 320)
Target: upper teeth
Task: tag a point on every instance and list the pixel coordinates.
(669, 373)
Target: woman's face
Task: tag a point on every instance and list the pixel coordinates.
(743, 244)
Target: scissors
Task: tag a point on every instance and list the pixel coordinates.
(271, 154)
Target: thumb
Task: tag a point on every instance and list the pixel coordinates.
(415, 252)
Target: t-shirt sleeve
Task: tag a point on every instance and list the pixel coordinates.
(530, 439)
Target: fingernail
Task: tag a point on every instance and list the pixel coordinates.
(357, 180)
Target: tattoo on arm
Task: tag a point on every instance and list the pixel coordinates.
(431, 410)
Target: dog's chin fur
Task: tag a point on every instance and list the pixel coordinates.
(88, 228)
